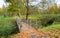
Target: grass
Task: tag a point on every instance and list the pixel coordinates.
(54, 30)
(53, 26)
(37, 16)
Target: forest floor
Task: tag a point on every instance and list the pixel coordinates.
(52, 31)
(30, 32)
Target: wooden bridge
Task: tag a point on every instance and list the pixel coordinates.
(27, 31)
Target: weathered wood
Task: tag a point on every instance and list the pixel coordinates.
(27, 31)
(22, 25)
(18, 21)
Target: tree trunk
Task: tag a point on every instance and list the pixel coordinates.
(27, 11)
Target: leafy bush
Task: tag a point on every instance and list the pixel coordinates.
(7, 26)
(43, 20)
(46, 20)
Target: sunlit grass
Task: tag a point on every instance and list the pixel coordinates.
(51, 27)
(37, 16)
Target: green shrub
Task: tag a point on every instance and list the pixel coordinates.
(7, 26)
(43, 20)
(47, 18)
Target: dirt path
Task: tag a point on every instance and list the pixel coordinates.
(27, 31)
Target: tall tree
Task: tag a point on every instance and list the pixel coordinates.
(27, 10)
(16, 6)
